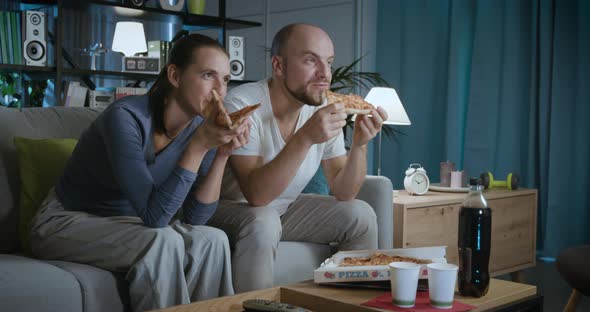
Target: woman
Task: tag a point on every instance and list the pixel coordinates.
(143, 180)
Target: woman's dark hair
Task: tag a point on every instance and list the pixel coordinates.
(181, 55)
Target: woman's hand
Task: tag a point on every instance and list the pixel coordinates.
(240, 140)
(211, 135)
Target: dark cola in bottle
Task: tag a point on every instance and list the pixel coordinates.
(475, 236)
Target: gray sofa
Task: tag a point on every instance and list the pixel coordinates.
(28, 284)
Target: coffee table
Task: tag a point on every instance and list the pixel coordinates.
(330, 298)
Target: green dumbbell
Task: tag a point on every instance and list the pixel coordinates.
(511, 182)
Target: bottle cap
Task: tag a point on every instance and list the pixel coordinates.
(475, 181)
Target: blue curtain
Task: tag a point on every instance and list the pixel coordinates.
(500, 86)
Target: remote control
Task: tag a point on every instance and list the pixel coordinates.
(270, 306)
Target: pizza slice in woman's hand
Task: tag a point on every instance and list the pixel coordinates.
(353, 104)
(238, 117)
(233, 120)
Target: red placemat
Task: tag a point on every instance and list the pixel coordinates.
(422, 304)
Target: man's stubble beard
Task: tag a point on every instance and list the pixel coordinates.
(301, 96)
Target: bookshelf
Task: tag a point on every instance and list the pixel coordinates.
(62, 72)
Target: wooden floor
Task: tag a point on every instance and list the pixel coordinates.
(554, 289)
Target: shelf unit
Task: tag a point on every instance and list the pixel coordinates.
(70, 72)
(60, 71)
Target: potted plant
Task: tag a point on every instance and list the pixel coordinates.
(9, 95)
(11, 91)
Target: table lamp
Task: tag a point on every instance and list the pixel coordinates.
(389, 100)
(129, 38)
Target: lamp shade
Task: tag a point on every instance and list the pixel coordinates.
(129, 38)
(389, 100)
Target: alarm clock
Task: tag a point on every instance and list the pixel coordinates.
(416, 181)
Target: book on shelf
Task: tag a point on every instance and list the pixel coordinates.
(11, 38)
(75, 94)
(9, 42)
(4, 38)
(159, 49)
(122, 92)
(19, 39)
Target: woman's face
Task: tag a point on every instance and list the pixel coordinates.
(208, 71)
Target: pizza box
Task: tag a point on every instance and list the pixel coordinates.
(330, 271)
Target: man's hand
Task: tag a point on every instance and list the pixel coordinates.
(366, 128)
(325, 124)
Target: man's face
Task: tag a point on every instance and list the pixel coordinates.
(307, 60)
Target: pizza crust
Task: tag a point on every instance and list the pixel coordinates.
(238, 117)
(352, 111)
(233, 120)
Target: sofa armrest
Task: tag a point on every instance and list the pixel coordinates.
(377, 191)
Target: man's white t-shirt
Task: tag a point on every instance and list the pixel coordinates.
(266, 141)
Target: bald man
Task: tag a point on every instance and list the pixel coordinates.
(290, 136)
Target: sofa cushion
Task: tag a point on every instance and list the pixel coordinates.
(41, 162)
(41, 123)
(27, 284)
(318, 184)
(101, 290)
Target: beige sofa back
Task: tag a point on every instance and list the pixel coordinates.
(54, 122)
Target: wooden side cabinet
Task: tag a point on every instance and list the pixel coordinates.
(432, 220)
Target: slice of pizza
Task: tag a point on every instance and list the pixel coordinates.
(380, 259)
(355, 261)
(223, 118)
(238, 117)
(383, 259)
(353, 104)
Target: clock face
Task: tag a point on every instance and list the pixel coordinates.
(419, 183)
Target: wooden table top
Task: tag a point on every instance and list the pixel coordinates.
(442, 198)
(329, 298)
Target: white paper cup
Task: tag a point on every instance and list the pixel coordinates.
(404, 283)
(441, 284)
(456, 178)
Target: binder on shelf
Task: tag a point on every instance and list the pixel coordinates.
(9, 41)
(19, 40)
(4, 38)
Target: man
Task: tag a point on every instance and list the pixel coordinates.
(291, 134)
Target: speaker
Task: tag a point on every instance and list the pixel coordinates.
(237, 66)
(34, 34)
(172, 5)
(135, 3)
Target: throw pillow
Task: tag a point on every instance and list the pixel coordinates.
(318, 184)
(41, 163)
